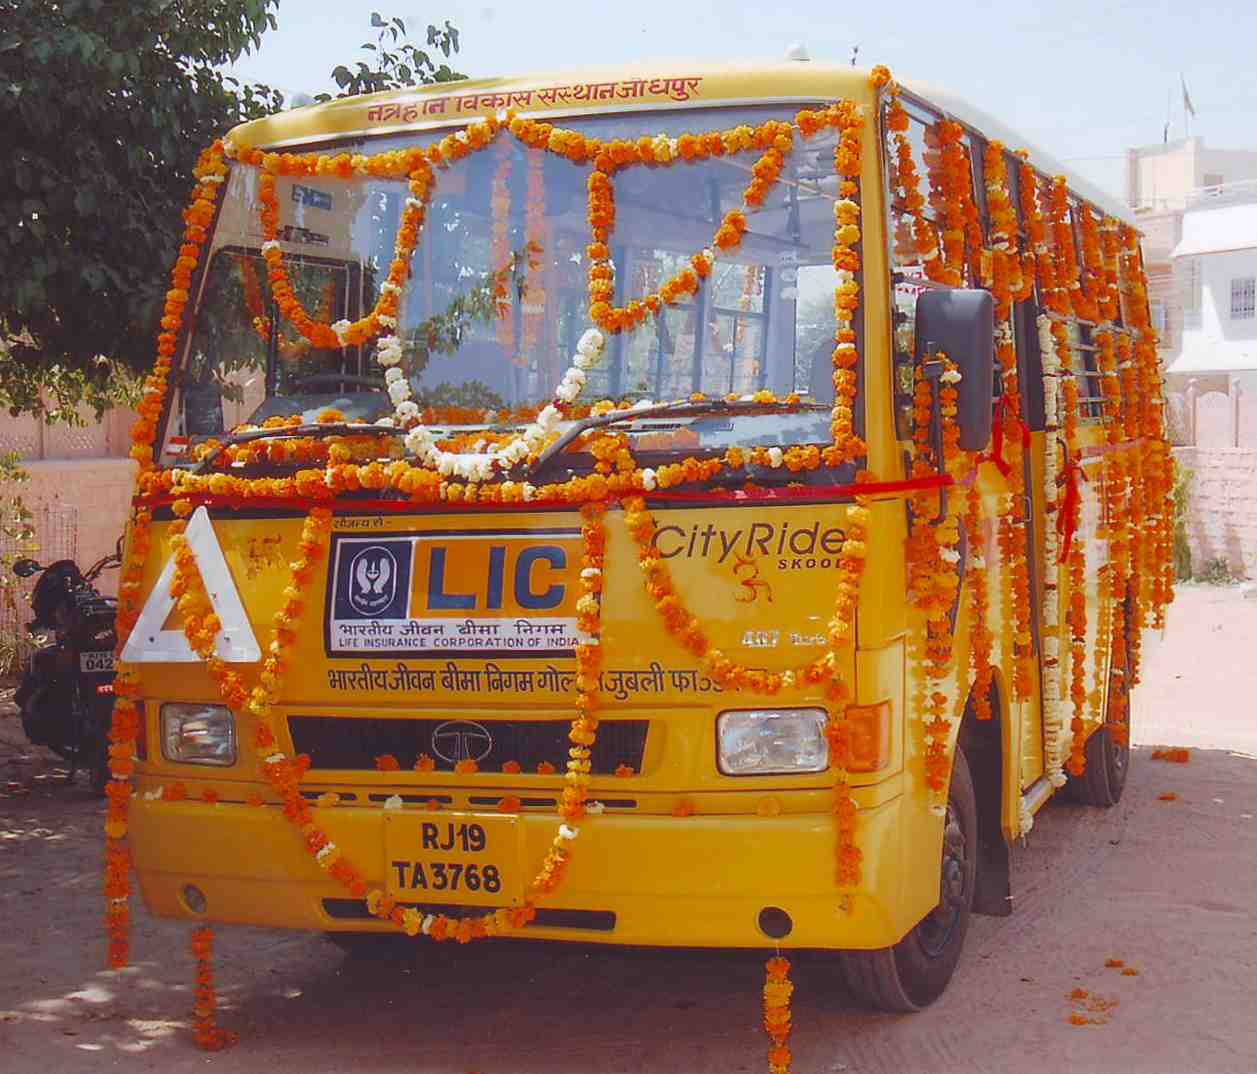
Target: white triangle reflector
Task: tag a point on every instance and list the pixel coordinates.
(236, 643)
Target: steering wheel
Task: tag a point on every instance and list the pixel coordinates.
(316, 379)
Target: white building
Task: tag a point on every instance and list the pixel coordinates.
(1215, 263)
(1162, 182)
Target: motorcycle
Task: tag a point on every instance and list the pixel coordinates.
(66, 695)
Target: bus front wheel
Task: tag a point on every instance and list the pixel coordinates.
(914, 972)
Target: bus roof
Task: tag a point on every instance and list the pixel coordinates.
(993, 129)
(653, 85)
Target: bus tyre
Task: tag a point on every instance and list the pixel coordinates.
(1107, 753)
(1104, 778)
(914, 972)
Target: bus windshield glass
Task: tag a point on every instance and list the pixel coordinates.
(498, 294)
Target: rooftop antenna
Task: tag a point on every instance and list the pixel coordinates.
(854, 53)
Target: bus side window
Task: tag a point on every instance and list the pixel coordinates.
(905, 260)
(1029, 362)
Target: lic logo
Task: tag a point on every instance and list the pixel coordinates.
(372, 580)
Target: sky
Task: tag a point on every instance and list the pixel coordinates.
(1082, 79)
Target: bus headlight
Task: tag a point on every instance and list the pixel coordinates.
(198, 734)
(763, 742)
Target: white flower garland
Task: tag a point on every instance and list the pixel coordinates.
(481, 465)
(1054, 727)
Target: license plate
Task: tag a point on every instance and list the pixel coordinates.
(464, 858)
(90, 663)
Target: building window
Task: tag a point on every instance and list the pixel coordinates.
(1159, 318)
(1244, 298)
(1187, 276)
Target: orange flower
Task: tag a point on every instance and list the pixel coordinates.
(386, 762)
(511, 768)
(466, 766)
(510, 804)
(624, 771)
(545, 768)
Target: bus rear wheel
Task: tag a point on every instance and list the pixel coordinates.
(1108, 750)
(914, 973)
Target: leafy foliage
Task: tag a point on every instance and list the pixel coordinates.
(17, 539)
(105, 107)
(396, 62)
(1184, 478)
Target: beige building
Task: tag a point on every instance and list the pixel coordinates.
(1161, 182)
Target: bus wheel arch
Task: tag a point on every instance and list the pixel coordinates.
(915, 971)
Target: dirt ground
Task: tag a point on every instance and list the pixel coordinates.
(1166, 886)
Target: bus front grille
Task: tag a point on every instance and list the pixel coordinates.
(354, 743)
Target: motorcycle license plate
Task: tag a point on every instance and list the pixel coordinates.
(91, 663)
(468, 858)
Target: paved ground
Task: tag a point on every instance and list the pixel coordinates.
(1167, 886)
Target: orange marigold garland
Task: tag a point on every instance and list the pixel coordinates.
(847, 447)
(777, 991)
(208, 1034)
(1006, 281)
(1011, 280)
(933, 576)
(1093, 288)
(123, 734)
(210, 173)
(1074, 554)
(342, 333)
(290, 350)
(1066, 259)
(981, 641)
(915, 235)
(284, 773)
(838, 728)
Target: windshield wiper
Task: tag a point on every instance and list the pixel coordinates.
(292, 432)
(680, 407)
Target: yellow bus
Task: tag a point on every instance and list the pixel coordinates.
(755, 471)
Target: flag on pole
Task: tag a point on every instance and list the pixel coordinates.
(1187, 101)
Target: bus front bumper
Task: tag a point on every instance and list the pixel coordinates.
(697, 881)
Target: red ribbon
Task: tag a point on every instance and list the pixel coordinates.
(1005, 421)
(380, 506)
(1071, 508)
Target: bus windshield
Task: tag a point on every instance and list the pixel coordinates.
(498, 293)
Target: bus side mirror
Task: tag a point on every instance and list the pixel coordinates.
(961, 323)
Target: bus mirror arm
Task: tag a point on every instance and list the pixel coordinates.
(932, 370)
(961, 323)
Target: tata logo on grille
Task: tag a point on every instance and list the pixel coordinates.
(461, 740)
(372, 580)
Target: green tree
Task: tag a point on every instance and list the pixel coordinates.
(396, 62)
(105, 107)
